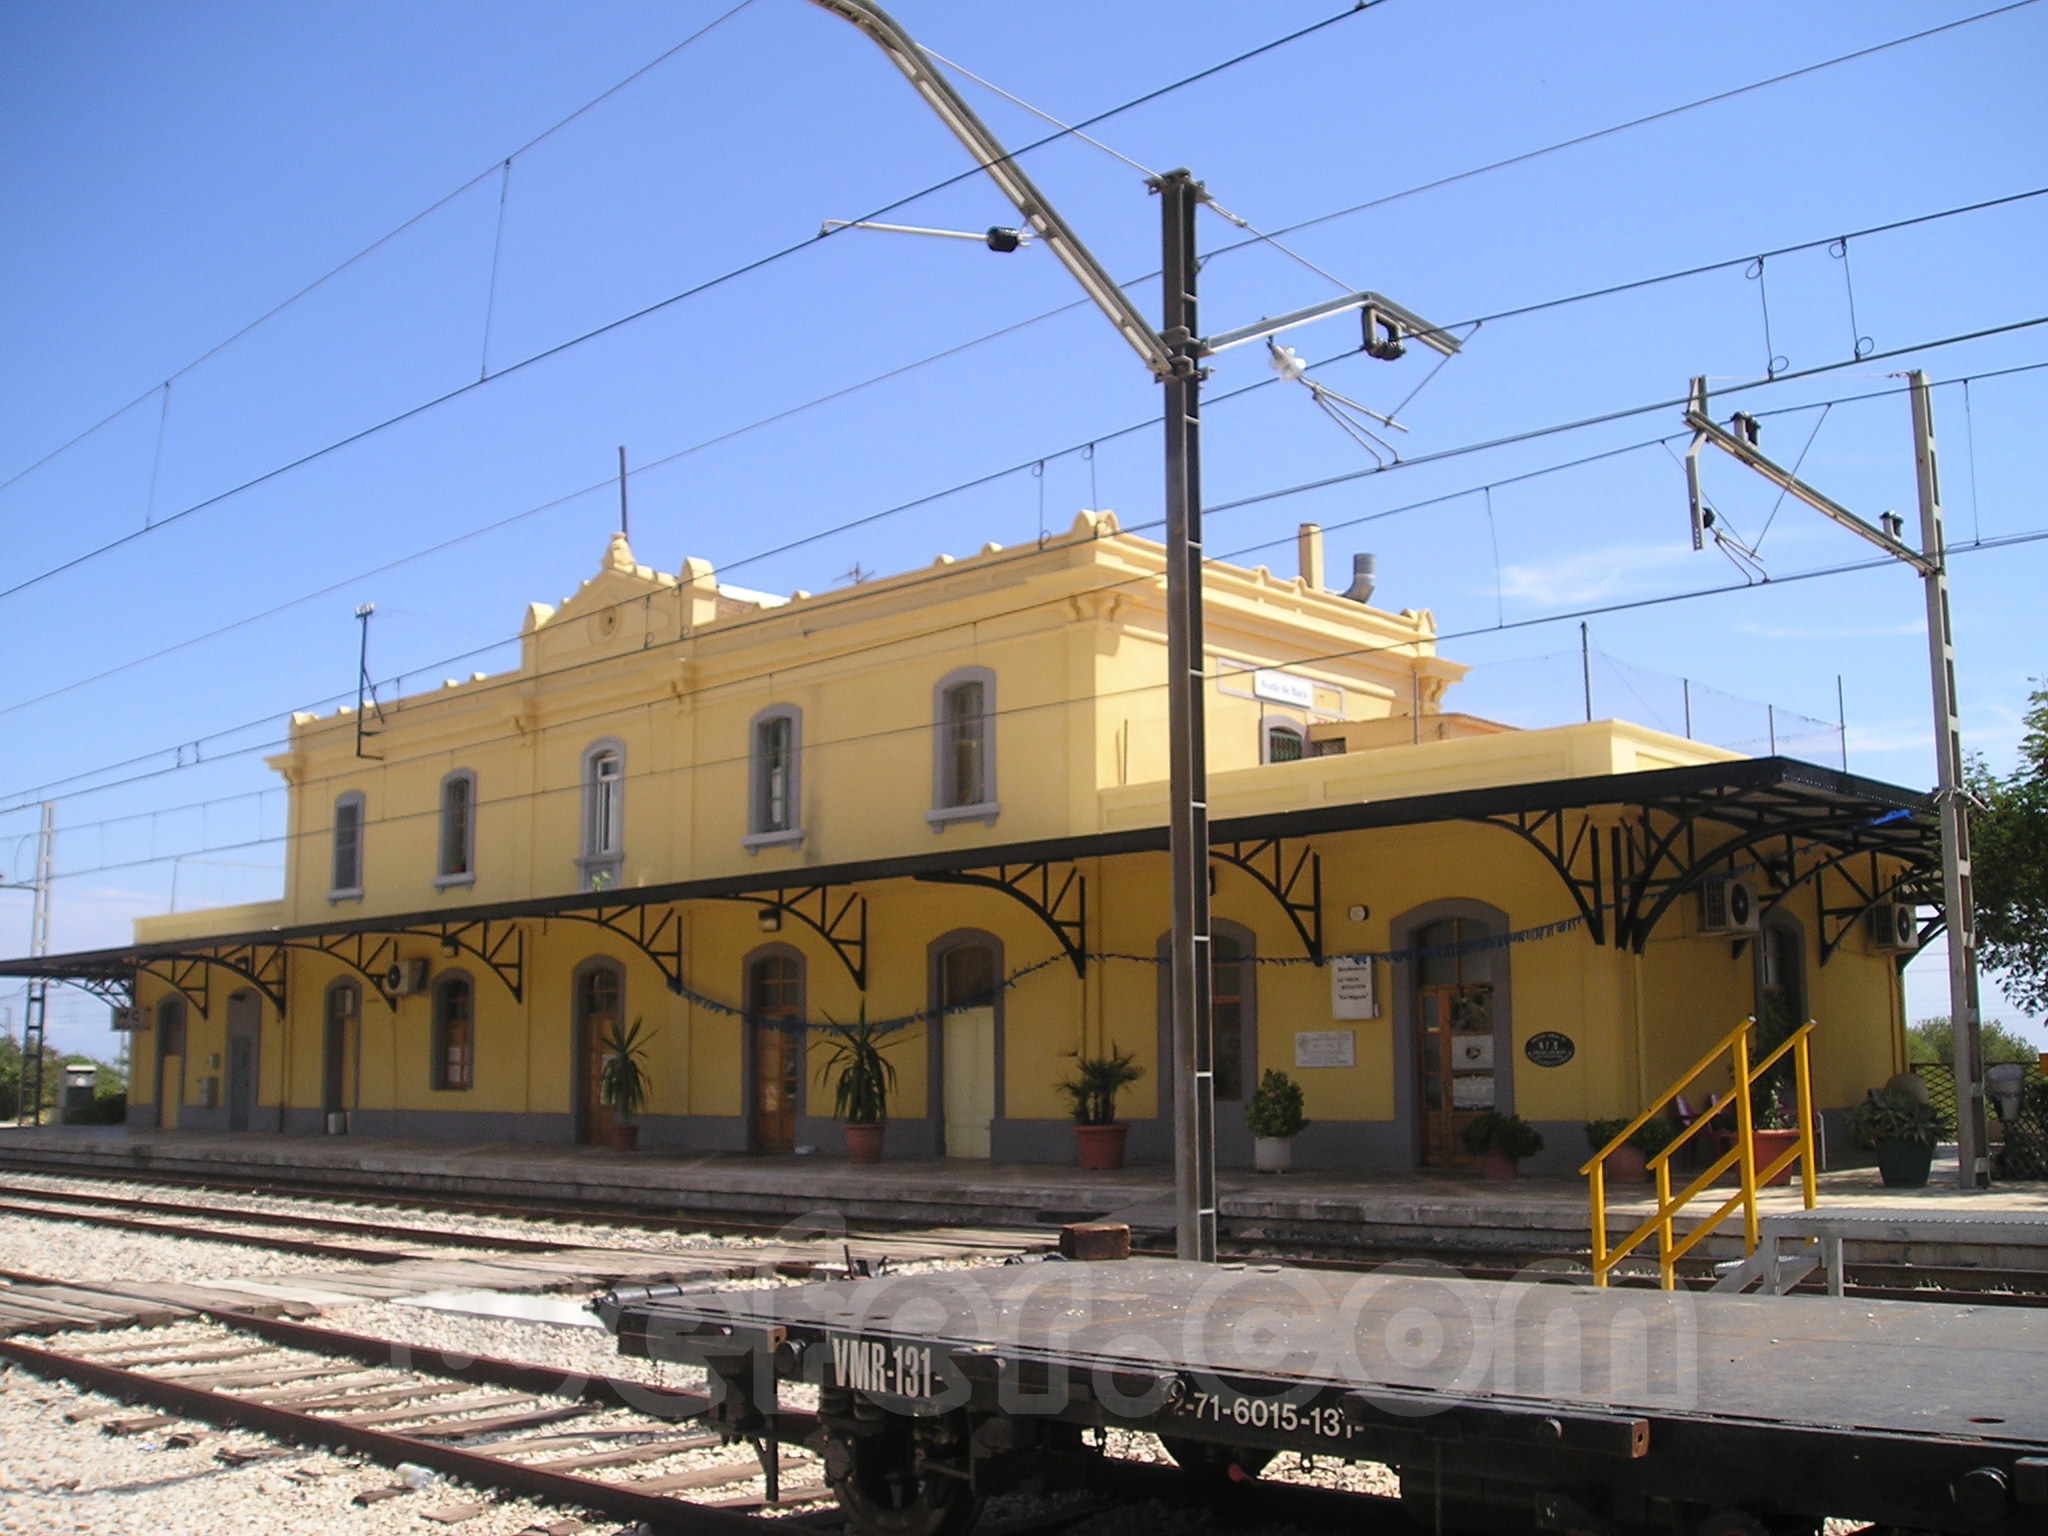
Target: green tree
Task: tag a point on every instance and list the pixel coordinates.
(2009, 864)
(1935, 1040)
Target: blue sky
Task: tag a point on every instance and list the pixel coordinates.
(172, 173)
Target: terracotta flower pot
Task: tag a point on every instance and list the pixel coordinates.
(625, 1138)
(1102, 1146)
(864, 1143)
(1767, 1147)
(1625, 1166)
(1497, 1165)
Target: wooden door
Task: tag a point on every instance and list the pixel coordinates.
(170, 1062)
(775, 1002)
(597, 1013)
(245, 1019)
(1454, 1053)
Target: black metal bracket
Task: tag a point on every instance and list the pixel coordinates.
(369, 955)
(185, 975)
(500, 946)
(1573, 851)
(844, 926)
(1267, 863)
(116, 991)
(1064, 910)
(656, 930)
(1837, 922)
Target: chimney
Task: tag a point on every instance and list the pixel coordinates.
(1308, 547)
(1363, 570)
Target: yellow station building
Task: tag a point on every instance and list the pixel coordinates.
(940, 799)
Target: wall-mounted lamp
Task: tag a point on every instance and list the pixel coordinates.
(771, 919)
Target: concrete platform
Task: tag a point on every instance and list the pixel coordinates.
(1407, 1213)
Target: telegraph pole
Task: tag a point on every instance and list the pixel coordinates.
(1973, 1169)
(1187, 738)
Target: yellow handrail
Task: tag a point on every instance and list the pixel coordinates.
(1742, 1156)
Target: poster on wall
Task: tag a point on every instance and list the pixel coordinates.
(1325, 1048)
(1352, 993)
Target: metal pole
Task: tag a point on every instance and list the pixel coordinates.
(1194, 1160)
(1586, 669)
(29, 1111)
(625, 528)
(1972, 1167)
(364, 693)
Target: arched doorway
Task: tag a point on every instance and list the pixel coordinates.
(245, 1033)
(1453, 1034)
(170, 1061)
(343, 1007)
(775, 1047)
(967, 973)
(598, 999)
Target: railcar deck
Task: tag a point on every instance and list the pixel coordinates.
(1504, 1406)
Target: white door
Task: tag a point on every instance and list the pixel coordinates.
(970, 1051)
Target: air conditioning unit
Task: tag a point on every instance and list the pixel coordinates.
(1894, 928)
(1727, 905)
(128, 1020)
(406, 978)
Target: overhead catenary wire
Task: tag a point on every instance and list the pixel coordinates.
(694, 290)
(1470, 326)
(44, 791)
(379, 243)
(1875, 563)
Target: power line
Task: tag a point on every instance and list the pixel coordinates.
(375, 245)
(463, 657)
(695, 290)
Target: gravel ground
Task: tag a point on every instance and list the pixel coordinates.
(73, 1250)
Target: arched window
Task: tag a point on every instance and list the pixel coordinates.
(347, 881)
(170, 1027)
(456, 863)
(774, 777)
(454, 1064)
(1281, 741)
(963, 747)
(604, 816)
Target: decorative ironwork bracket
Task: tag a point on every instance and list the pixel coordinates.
(367, 959)
(186, 975)
(844, 926)
(500, 947)
(1865, 894)
(1266, 862)
(1064, 910)
(656, 931)
(1575, 855)
(116, 991)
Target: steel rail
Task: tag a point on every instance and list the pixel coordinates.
(382, 1446)
(306, 1247)
(423, 1236)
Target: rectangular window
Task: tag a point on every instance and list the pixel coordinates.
(774, 767)
(348, 846)
(966, 745)
(604, 818)
(457, 815)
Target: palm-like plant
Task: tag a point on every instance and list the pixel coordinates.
(622, 1080)
(1091, 1092)
(866, 1077)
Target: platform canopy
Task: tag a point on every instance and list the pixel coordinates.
(1626, 846)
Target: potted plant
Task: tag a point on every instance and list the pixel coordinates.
(860, 1093)
(1904, 1129)
(1628, 1163)
(1274, 1118)
(1091, 1096)
(1773, 1131)
(622, 1081)
(1500, 1141)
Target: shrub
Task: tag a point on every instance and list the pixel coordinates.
(1896, 1115)
(866, 1076)
(1275, 1112)
(1510, 1135)
(1091, 1092)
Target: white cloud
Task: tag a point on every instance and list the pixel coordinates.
(1591, 575)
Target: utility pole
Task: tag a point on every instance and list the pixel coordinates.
(1191, 982)
(1973, 1168)
(33, 1019)
(366, 692)
(1931, 561)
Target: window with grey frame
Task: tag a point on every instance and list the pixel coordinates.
(774, 773)
(346, 872)
(963, 748)
(1283, 741)
(456, 860)
(604, 816)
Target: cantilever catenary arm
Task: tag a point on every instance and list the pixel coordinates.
(1705, 430)
(1009, 178)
